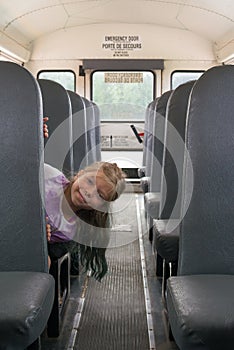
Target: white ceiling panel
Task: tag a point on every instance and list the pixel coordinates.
(25, 21)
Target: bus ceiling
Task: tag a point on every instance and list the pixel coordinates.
(190, 30)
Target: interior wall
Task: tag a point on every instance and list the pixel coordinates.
(92, 41)
(35, 66)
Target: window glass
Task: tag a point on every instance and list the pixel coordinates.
(181, 77)
(65, 78)
(122, 96)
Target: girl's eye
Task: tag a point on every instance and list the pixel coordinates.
(90, 181)
(101, 196)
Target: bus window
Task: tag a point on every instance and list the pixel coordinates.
(122, 96)
(65, 78)
(180, 77)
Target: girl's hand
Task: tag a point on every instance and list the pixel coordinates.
(49, 262)
(45, 127)
(48, 230)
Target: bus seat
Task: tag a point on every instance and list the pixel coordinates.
(27, 289)
(148, 144)
(199, 299)
(165, 230)
(80, 147)
(60, 270)
(57, 106)
(141, 169)
(91, 131)
(97, 131)
(148, 113)
(151, 198)
(58, 153)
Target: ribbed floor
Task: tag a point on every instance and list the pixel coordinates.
(114, 316)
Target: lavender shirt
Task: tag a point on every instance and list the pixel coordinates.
(55, 182)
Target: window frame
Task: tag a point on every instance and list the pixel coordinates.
(183, 71)
(57, 71)
(127, 71)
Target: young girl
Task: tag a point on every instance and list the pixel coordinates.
(78, 211)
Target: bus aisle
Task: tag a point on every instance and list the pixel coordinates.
(113, 314)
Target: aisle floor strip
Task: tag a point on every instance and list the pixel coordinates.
(145, 281)
(77, 318)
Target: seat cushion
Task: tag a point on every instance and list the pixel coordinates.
(166, 237)
(141, 171)
(26, 303)
(145, 183)
(152, 203)
(201, 311)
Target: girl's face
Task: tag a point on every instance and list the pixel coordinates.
(90, 190)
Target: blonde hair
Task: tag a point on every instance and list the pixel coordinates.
(92, 256)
